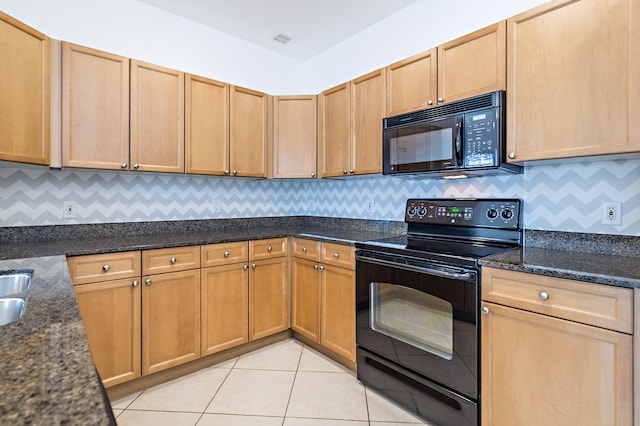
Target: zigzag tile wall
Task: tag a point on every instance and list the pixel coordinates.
(562, 197)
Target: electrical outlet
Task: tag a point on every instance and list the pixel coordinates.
(611, 213)
(215, 206)
(69, 210)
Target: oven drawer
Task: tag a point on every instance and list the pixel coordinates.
(594, 304)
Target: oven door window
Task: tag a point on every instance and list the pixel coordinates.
(413, 317)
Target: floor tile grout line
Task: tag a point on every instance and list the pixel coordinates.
(293, 384)
(218, 390)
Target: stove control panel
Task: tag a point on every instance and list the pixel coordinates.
(492, 213)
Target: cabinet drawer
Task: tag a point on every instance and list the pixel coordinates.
(170, 259)
(225, 253)
(265, 249)
(595, 304)
(338, 255)
(104, 267)
(306, 249)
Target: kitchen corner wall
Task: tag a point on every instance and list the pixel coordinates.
(558, 197)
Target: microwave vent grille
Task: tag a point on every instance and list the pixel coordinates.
(466, 105)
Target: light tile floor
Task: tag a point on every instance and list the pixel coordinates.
(285, 384)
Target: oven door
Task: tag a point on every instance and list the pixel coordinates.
(421, 316)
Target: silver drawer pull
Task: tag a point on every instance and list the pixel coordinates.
(226, 254)
(304, 249)
(173, 260)
(544, 295)
(336, 255)
(269, 249)
(106, 268)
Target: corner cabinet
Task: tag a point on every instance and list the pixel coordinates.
(157, 118)
(350, 127)
(249, 123)
(206, 126)
(555, 351)
(573, 88)
(294, 136)
(24, 93)
(95, 109)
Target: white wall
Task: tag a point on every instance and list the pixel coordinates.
(137, 30)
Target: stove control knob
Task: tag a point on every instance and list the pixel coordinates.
(507, 214)
(422, 211)
(411, 211)
(492, 213)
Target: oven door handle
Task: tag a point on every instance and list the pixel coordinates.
(463, 276)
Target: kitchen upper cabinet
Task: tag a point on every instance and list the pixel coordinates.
(572, 80)
(294, 136)
(24, 93)
(555, 351)
(157, 118)
(249, 129)
(350, 121)
(412, 83)
(95, 108)
(473, 64)
(206, 126)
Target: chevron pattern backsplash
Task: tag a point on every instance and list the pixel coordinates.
(561, 197)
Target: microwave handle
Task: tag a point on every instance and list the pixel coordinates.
(459, 142)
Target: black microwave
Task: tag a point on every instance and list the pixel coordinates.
(458, 139)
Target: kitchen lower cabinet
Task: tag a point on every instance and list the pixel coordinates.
(170, 319)
(111, 315)
(323, 299)
(555, 351)
(268, 297)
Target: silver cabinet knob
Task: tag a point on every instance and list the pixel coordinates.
(173, 260)
(245, 267)
(235, 172)
(106, 268)
(336, 255)
(322, 267)
(304, 249)
(344, 172)
(226, 172)
(148, 281)
(440, 99)
(429, 102)
(313, 175)
(253, 266)
(315, 267)
(512, 155)
(123, 165)
(485, 310)
(135, 283)
(352, 171)
(136, 166)
(269, 249)
(226, 254)
(544, 295)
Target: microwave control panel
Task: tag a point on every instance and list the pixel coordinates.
(480, 146)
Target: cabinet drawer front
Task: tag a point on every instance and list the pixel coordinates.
(595, 304)
(225, 253)
(265, 249)
(339, 255)
(171, 259)
(104, 267)
(306, 249)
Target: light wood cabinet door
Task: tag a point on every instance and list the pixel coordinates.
(111, 317)
(305, 298)
(338, 316)
(572, 80)
(368, 108)
(268, 297)
(24, 93)
(249, 128)
(225, 307)
(542, 370)
(294, 136)
(474, 64)
(170, 320)
(412, 83)
(206, 126)
(157, 118)
(95, 108)
(334, 139)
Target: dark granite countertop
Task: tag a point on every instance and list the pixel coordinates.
(609, 269)
(47, 373)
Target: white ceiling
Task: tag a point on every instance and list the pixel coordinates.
(314, 25)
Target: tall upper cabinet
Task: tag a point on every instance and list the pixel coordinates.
(573, 84)
(24, 93)
(95, 105)
(157, 118)
(249, 121)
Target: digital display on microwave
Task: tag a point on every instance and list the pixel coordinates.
(423, 147)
